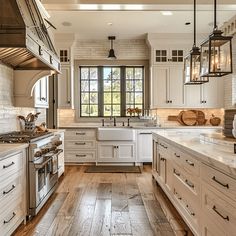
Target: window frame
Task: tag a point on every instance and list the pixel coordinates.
(123, 91)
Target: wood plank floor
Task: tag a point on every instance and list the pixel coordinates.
(106, 204)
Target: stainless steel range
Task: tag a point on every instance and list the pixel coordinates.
(42, 168)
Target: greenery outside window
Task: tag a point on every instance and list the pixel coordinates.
(110, 90)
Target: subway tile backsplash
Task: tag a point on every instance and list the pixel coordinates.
(8, 113)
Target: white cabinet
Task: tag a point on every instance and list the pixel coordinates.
(116, 152)
(12, 192)
(144, 146)
(41, 93)
(164, 55)
(65, 87)
(80, 145)
(167, 88)
(207, 95)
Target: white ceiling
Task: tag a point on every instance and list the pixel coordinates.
(132, 24)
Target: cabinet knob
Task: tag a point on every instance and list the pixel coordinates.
(68, 102)
(43, 99)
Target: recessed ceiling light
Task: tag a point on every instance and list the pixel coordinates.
(166, 13)
(66, 23)
(110, 23)
(188, 23)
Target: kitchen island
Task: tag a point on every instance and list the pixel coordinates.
(199, 177)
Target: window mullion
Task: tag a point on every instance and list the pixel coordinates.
(123, 90)
(100, 92)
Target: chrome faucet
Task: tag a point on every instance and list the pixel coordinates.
(128, 122)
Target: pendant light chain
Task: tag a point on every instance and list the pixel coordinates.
(215, 19)
(194, 25)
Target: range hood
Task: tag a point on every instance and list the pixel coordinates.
(25, 42)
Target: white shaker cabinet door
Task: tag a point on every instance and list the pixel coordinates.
(176, 86)
(144, 146)
(159, 86)
(65, 88)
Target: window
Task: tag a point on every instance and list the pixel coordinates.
(110, 90)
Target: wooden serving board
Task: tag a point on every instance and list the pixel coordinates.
(177, 118)
(201, 119)
(189, 118)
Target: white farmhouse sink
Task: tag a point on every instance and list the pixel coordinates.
(116, 134)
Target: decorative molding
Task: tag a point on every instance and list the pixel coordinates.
(229, 27)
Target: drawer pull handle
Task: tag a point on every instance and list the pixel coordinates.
(190, 163)
(6, 166)
(189, 184)
(80, 133)
(163, 159)
(218, 182)
(80, 155)
(80, 143)
(176, 172)
(223, 217)
(190, 212)
(7, 221)
(6, 192)
(177, 155)
(145, 133)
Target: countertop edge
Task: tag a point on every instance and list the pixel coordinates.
(12, 148)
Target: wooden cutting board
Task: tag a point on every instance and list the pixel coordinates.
(189, 118)
(177, 118)
(201, 119)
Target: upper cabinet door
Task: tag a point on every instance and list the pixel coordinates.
(160, 86)
(172, 55)
(193, 96)
(176, 86)
(65, 99)
(213, 93)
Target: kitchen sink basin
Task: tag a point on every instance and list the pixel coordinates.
(116, 134)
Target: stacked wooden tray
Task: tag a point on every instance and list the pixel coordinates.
(228, 122)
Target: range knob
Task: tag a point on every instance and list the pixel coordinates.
(53, 148)
(38, 154)
(58, 143)
(45, 150)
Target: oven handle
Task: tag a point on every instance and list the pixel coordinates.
(42, 164)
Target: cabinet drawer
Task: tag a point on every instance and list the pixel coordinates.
(163, 147)
(220, 181)
(188, 163)
(80, 156)
(80, 144)
(11, 165)
(80, 134)
(210, 229)
(218, 210)
(188, 209)
(189, 181)
(11, 218)
(11, 188)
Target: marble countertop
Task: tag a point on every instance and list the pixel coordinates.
(217, 155)
(6, 149)
(134, 126)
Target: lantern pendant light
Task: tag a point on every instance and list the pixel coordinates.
(192, 62)
(111, 55)
(216, 53)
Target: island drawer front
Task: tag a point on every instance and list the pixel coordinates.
(218, 210)
(210, 229)
(11, 217)
(10, 165)
(189, 211)
(80, 144)
(80, 134)
(11, 188)
(191, 182)
(80, 156)
(163, 147)
(220, 181)
(188, 163)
